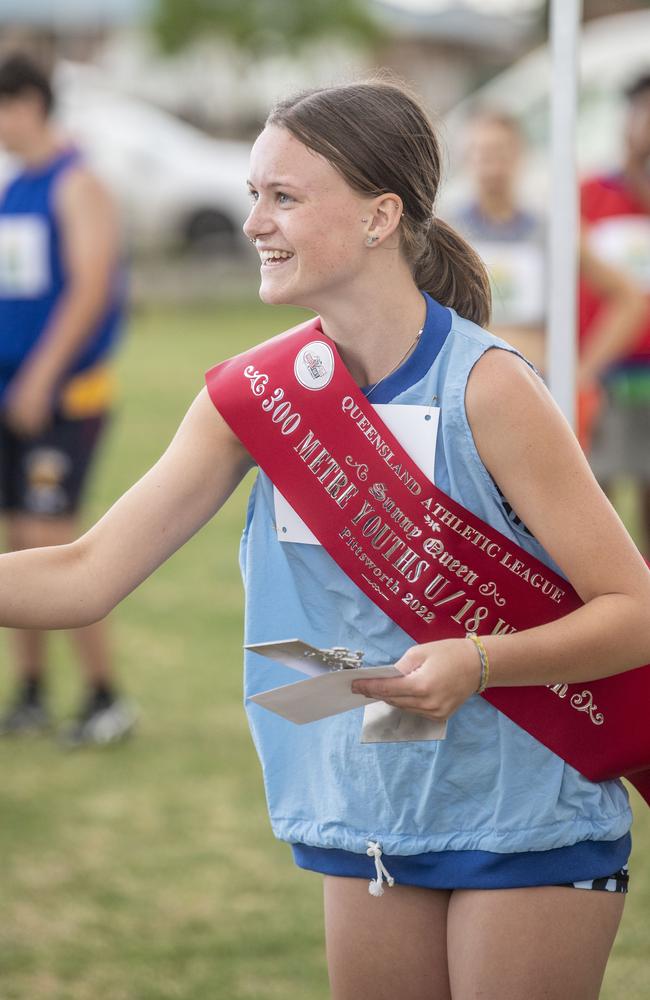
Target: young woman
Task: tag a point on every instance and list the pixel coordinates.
(485, 832)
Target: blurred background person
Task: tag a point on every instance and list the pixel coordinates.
(508, 236)
(511, 239)
(616, 224)
(61, 310)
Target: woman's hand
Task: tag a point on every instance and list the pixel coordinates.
(438, 678)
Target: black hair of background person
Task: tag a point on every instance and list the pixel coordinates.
(20, 75)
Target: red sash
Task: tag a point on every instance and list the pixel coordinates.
(436, 569)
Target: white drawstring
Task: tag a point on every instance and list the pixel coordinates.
(376, 887)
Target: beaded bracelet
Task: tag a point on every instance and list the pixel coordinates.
(485, 662)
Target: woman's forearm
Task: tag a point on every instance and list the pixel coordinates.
(606, 636)
(48, 588)
(69, 586)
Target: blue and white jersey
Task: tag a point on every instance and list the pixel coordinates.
(33, 273)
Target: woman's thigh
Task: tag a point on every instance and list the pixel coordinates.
(545, 943)
(385, 948)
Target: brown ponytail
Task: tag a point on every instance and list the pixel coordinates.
(452, 272)
(380, 139)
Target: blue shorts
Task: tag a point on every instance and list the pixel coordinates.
(591, 864)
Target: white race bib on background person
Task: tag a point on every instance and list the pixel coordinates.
(624, 242)
(517, 276)
(24, 256)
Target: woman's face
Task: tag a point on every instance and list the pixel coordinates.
(306, 222)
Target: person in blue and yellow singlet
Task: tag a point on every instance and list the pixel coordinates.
(506, 866)
(61, 311)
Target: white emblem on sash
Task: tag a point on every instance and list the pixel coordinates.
(416, 429)
(24, 257)
(314, 365)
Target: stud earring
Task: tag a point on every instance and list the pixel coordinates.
(364, 220)
(371, 240)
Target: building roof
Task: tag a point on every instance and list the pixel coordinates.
(457, 22)
(72, 13)
(451, 21)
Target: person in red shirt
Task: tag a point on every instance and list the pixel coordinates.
(616, 223)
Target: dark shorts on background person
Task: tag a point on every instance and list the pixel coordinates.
(621, 438)
(44, 476)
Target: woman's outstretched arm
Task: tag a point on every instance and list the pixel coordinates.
(68, 586)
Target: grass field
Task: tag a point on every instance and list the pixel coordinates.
(148, 871)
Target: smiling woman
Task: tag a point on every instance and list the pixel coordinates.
(343, 183)
(481, 836)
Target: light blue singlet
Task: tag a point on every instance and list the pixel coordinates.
(489, 805)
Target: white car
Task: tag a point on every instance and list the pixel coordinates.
(176, 185)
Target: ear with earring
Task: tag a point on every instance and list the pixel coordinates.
(370, 240)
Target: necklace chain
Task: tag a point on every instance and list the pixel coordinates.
(396, 366)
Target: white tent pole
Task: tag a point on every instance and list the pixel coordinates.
(564, 212)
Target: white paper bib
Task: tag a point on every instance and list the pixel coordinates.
(624, 241)
(517, 276)
(416, 429)
(24, 257)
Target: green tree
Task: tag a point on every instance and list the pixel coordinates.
(262, 25)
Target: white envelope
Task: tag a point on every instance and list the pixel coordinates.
(326, 691)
